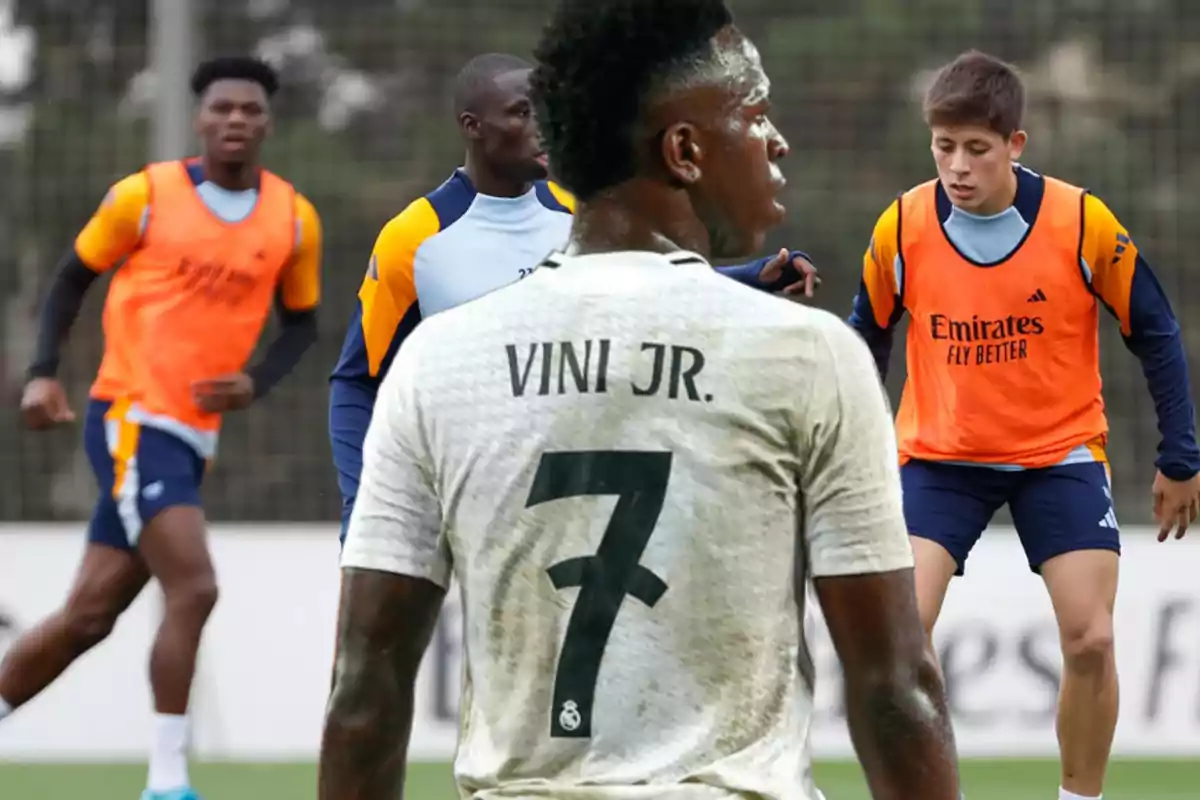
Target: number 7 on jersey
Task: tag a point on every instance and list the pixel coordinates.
(639, 480)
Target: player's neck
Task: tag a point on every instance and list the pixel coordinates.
(1004, 198)
(637, 217)
(234, 177)
(486, 181)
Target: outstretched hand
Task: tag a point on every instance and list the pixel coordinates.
(799, 273)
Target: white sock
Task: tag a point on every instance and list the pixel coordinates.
(168, 754)
(5, 708)
(1063, 794)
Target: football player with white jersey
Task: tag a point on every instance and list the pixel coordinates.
(633, 467)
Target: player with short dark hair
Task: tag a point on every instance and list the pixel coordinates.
(234, 68)
(632, 467)
(200, 250)
(978, 88)
(1003, 272)
(488, 225)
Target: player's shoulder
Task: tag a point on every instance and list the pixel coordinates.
(308, 221)
(808, 346)
(1104, 239)
(1098, 217)
(799, 331)
(924, 188)
(914, 199)
(836, 337)
(133, 189)
(409, 229)
(747, 307)
(447, 203)
(810, 322)
(480, 317)
(1097, 213)
(554, 197)
(426, 347)
(304, 207)
(433, 212)
(887, 224)
(1025, 173)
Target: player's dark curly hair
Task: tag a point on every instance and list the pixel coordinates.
(596, 61)
(237, 68)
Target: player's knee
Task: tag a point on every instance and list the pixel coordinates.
(195, 597)
(1088, 647)
(88, 624)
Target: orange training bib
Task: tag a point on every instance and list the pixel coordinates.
(194, 298)
(1003, 360)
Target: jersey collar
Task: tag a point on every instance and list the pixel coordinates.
(627, 258)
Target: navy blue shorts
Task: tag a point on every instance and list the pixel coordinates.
(141, 471)
(1055, 510)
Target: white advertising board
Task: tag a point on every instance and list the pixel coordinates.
(265, 666)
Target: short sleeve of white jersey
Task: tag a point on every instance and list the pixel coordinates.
(854, 516)
(396, 524)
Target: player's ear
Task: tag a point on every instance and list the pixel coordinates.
(1016, 144)
(468, 123)
(682, 153)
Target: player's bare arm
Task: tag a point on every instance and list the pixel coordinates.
(895, 701)
(385, 624)
(861, 564)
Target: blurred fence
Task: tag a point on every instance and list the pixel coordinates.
(364, 126)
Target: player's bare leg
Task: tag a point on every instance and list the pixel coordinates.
(174, 546)
(933, 569)
(107, 582)
(1083, 588)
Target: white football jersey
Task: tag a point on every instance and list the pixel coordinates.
(624, 460)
